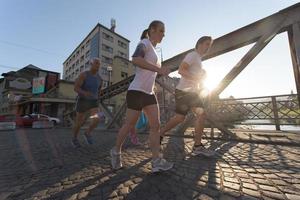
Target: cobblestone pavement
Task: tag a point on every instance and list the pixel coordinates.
(42, 164)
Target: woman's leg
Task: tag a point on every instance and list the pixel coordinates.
(152, 114)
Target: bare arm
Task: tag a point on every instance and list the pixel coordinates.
(78, 83)
(183, 71)
(139, 60)
(142, 63)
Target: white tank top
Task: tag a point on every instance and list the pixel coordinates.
(144, 79)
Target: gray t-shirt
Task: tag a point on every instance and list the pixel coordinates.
(193, 59)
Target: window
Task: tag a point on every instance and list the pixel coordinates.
(73, 66)
(86, 64)
(77, 62)
(104, 71)
(82, 49)
(107, 37)
(107, 48)
(105, 84)
(81, 58)
(124, 75)
(107, 60)
(87, 43)
(125, 64)
(81, 68)
(87, 54)
(122, 44)
(122, 54)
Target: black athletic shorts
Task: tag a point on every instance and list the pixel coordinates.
(83, 105)
(137, 100)
(185, 101)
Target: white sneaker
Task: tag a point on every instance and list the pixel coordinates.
(161, 164)
(116, 162)
(201, 150)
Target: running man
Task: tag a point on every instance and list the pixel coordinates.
(87, 86)
(187, 94)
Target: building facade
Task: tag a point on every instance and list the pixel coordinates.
(101, 42)
(23, 85)
(122, 69)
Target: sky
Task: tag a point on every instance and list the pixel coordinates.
(44, 33)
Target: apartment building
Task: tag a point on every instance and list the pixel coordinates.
(103, 43)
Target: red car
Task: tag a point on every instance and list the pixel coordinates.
(22, 121)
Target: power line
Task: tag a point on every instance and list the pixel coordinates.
(29, 47)
(8, 67)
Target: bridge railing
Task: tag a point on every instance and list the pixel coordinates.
(268, 110)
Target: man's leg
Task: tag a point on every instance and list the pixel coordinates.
(95, 120)
(199, 127)
(174, 121)
(80, 118)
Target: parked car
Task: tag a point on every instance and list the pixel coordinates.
(51, 119)
(21, 121)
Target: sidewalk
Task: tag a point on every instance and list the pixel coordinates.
(42, 164)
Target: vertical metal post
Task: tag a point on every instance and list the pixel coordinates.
(275, 110)
(294, 42)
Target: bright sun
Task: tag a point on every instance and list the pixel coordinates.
(210, 83)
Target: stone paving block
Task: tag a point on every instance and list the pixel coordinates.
(124, 191)
(271, 176)
(261, 181)
(232, 192)
(113, 194)
(268, 188)
(235, 186)
(73, 197)
(250, 186)
(292, 196)
(249, 198)
(256, 175)
(204, 197)
(232, 180)
(250, 192)
(273, 195)
(83, 195)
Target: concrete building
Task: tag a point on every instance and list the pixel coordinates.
(101, 42)
(122, 68)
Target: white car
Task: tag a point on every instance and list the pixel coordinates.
(51, 119)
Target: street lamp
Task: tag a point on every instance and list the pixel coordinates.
(109, 69)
